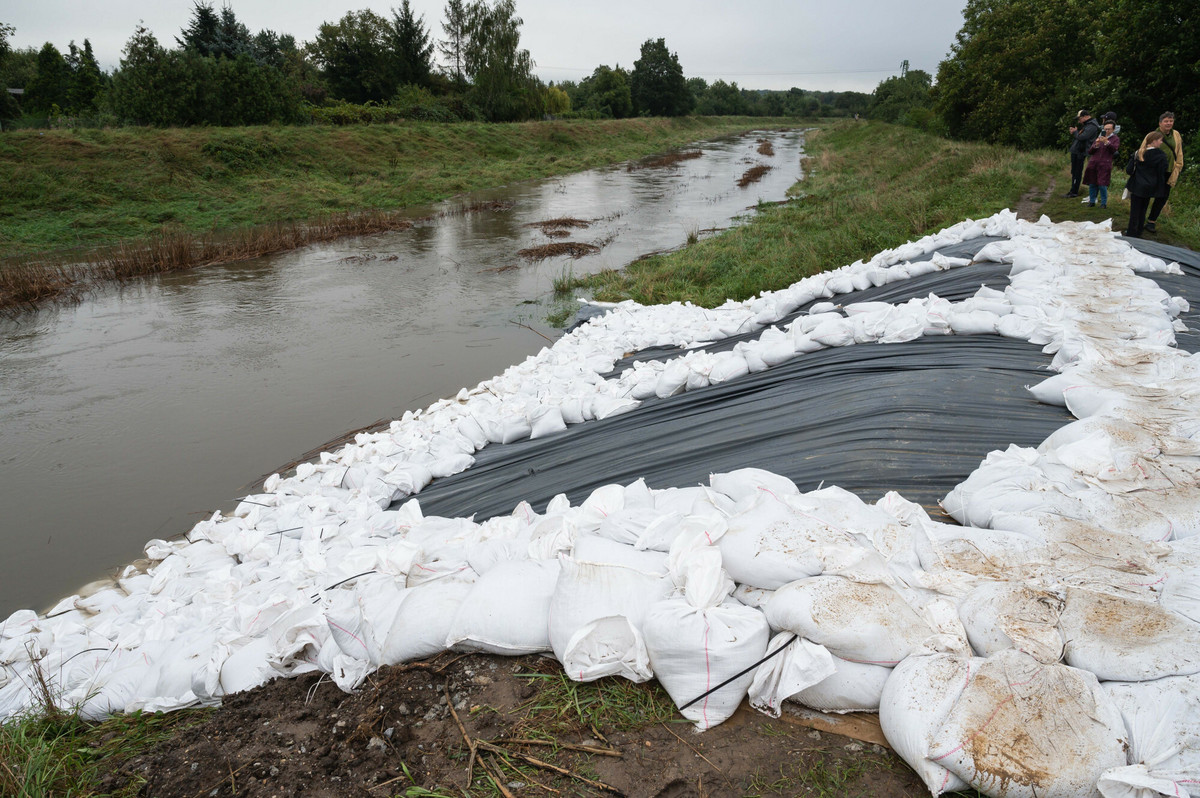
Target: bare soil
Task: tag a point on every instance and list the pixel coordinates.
(406, 732)
(1031, 202)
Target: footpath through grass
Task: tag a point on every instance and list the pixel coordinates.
(71, 189)
(868, 187)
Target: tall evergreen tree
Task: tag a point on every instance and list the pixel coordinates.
(8, 105)
(452, 48)
(412, 49)
(657, 83)
(86, 78)
(50, 87)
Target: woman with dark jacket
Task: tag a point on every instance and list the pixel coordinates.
(1099, 166)
(1149, 180)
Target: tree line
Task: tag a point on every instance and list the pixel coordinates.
(1019, 71)
(363, 67)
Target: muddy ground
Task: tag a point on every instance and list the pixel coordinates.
(398, 736)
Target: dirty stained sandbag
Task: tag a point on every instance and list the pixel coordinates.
(1022, 729)
(1121, 639)
(1163, 720)
(886, 629)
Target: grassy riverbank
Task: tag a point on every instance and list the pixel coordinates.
(66, 189)
(135, 201)
(869, 187)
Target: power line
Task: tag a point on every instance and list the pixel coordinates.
(747, 74)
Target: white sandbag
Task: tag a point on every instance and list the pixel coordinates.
(852, 687)
(421, 625)
(975, 322)
(798, 664)
(916, 699)
(1163, 721)
(885, 630)
(692, 650)
(596, 616)
(747, 483)
(729, 366)
(603, 551)
(1119, 639)
(507, 610)
(1050, 390)
(771, 542)
(1022, 729)
(1001, 615)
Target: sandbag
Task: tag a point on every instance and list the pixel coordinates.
(693, 649)
(1000, 615)
(852, 687)
(916, 698)
(1163, 721)
(885, 630)
(596, 616)
(1120, 639)
(798, 664)
(507, 610)
(1022, 729)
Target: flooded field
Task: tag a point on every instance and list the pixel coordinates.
(137, 413)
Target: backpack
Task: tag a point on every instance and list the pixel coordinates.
(1131, 166)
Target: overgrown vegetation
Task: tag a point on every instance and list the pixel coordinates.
(68, 193)
(868, 187)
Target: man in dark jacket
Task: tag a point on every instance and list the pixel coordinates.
(1083, 133)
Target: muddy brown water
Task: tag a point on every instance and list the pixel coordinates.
(137, 413)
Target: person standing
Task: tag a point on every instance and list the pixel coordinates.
(1172, 147)
(1148, 181)
(1083, 133)
(1098, 174)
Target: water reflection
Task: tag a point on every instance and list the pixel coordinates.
(136, 414)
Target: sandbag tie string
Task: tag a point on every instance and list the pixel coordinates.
(740, 674)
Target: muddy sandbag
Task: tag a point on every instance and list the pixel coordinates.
(869, 623)
(1002, 615)
(1126, 640)
(916, 698)
(1022, 729)
(1163, 721)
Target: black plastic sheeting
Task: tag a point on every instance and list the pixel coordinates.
(917, 417)
(1186, 285)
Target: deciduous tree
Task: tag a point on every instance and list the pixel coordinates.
(657, 82)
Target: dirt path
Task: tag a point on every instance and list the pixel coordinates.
(1032, 200)
(397, 736)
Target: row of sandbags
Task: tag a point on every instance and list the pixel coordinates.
(691, 584)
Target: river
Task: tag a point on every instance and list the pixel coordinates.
(146, 408)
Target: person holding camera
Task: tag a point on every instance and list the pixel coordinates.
(1147, 182)
(1098, 173)
(1083, 133)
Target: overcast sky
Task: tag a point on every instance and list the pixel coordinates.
(760, 44)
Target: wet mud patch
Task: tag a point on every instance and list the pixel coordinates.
(413, 727)
(576, 249)
(753, 175)
(670, 159)
(560, 224)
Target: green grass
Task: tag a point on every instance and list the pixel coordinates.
(561, 704)
(58, 753)
(868, 187)
(71, 189)
(815, 776)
